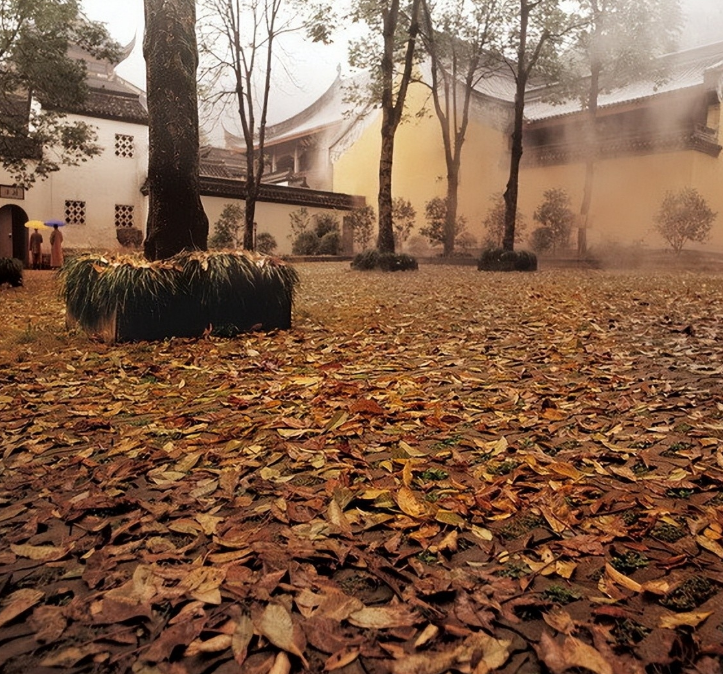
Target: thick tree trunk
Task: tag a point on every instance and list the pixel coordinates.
(249, 242)
(385, 240)
(513, 183)
(176, 219)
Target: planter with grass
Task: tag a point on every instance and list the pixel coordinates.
(373, 259)
(498, 259)
(11, 272)
(127, 298)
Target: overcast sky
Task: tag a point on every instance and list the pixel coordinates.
(315, 66)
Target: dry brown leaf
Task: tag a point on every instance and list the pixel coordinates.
(572, 653)
(277, 626)
(384, 617)
(241, 638)
(341, 659)
(40, 553)
(19, 602)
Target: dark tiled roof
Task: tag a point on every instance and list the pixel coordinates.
(119, 105)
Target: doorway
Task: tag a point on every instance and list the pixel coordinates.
(13, 234)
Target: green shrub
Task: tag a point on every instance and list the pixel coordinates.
(265, 243)
(497, 259)
(307, 243)
(129, 237)
(372, 259)
(542, 239)
(11, 271)
(329, 244)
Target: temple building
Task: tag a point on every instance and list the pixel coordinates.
(104, 201)
(652, 137)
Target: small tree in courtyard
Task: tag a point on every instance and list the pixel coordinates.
(361, 220)
(494, 224)
(228, 232)
(403, 217)
(435, 212)
(555, 215)
(684, 216)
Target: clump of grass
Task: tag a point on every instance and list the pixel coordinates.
(507, 260)
(679, 492)
(667, 532)
(502, 468)
(11, 272)
(690, 594)
(369, 260)
(627, 632)
(433, 475)
(514, 570)
(557, 594)
(521, 525)
(227, 292)
(629, 561)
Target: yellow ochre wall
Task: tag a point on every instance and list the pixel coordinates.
(627, 191)
(419, 172)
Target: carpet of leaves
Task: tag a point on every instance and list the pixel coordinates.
(440, 471)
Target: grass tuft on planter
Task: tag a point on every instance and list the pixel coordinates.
(369, 260)
(11, 272)
(127, 298)
(497, 259)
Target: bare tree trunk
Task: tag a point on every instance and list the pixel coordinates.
(385, 239)
(513, 183)
(590, 156)
(450, 224)
(392, 114)
(176, 219)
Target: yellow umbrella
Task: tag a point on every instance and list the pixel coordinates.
(36, 224)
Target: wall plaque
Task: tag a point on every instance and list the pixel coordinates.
(11, 192)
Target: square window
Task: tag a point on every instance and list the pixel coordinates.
(124, 146)
(75, 212)
(124, 215)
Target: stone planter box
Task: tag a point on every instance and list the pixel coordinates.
(126, 298)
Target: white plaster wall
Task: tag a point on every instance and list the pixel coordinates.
(101, 182)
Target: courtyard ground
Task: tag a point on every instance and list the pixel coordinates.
(439, 471)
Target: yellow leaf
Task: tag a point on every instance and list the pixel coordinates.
(710, 545)
(623, 580)
(44, 553)
(481, 533)
(411, 451)
(672, 620)
(409, 504)
(565, 569)
(449, 517)
(341, 659)
(384, 617)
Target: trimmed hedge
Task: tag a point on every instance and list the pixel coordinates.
(373, 259)
(497, 259)
(11, 271)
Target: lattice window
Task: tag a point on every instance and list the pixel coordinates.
(124, 216)
(75, 212)
(124, 146)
